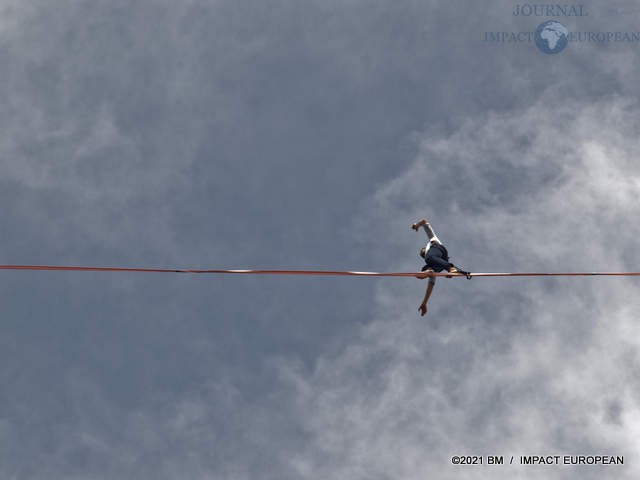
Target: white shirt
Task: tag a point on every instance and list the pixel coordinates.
(432, 238)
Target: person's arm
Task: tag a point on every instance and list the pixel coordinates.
(423, 306)
(427, 228)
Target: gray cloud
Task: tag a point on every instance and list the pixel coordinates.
(261, 134)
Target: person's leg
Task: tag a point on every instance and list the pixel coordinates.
(436, 261)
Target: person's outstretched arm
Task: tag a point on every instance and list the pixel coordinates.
(427, 228)
(423, 306)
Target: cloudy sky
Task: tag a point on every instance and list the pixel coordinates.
(283, 133)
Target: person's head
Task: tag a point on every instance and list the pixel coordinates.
(422, 252)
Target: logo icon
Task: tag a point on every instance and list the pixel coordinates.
(551, 37)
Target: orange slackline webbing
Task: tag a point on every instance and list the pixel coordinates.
(310, 272)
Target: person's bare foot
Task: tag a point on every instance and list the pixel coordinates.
(424, 274)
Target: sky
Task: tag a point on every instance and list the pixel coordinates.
(289, 134)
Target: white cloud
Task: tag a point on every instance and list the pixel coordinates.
(506, 367)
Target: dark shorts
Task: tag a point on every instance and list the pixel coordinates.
(437, 258)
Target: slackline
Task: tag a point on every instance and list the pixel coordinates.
(312, 272)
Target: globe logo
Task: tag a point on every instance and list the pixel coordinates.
(551, 37)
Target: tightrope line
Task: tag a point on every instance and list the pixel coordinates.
(312, 272)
